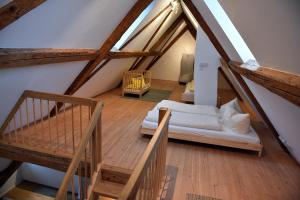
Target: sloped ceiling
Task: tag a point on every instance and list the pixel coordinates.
(271, 30)
(57, 24)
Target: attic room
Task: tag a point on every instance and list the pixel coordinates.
(149, 99)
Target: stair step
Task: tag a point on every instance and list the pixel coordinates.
(108, 189)
(21, 194)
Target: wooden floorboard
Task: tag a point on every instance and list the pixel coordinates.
(202, 169)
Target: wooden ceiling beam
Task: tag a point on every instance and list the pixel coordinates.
(178, 36)
(16, 9)
(190, 26)
(201, 21)
(134, 12)
(160, 40)
(284, 84)
(144, 27)
(138, 61)
(12, 57)
(131, 54)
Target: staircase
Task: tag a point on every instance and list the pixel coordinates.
(70, 140)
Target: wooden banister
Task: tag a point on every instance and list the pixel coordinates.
(155, 158)
(80, 153)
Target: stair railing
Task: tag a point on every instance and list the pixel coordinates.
(30, 122)
(146, 180)
(86, 163)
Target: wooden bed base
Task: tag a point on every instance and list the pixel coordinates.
(209, 140)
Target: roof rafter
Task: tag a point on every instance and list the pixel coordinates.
(16, 9)
(134, 12)
(161, 39)
(178, 36)
(137, 62)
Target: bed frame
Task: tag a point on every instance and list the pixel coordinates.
(135, 88)
(209, 140)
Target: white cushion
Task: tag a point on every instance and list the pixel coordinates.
(233, 103)
(228, 112)
(239, 123)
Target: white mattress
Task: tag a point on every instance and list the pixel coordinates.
(188, 108)
(183, 119)
(226, 133)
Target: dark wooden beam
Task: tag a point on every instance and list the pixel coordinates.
(134, 12)
(178, 36)
(144, 27)
(190, 27)
(131, 54)
(16, 9)
(9, 171)
(284, 84)
(160, 40)
(189, 4)
(11, 57)
(229, 81)
(138, 61)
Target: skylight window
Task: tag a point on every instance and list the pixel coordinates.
(230, 30)
(133, 26)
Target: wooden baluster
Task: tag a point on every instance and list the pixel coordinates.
(21, 123)
(91, 157)
(73, 137)
(49, 122)
(80, 120)
(10, 131)
(85, 174)
(34, 119)
(56, 119)
(27, 118)
(99, 140)
(65, 126)
(73, 187)
(42, 118)
(15, 129)
(79, 181)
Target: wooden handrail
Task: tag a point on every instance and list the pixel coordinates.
(131, 188)
(79, 153)
(59, 98)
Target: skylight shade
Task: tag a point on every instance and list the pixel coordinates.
(133, 26)
(230, 30)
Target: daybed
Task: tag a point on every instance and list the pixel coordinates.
(206, 124)
(188, 94)
(136, 82)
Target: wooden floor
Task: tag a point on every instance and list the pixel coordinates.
(202, 169)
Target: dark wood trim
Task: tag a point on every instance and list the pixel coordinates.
(190, 26)
(12, 57)
(9, 171)
(131, 54)
(16, 9)
(134, 12)
(161, 39)
(144, 27)
(220, 69)
(178, 36)
(189, 4)
(138, 61)
(284, 84)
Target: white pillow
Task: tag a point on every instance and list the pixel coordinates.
(239, 123)
(228, 112)
(233, 103)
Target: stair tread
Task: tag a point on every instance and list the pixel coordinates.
(108, 189)
(21, 194)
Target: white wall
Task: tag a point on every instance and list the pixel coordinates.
(205, 70)
(274, 40)
(168, 67)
